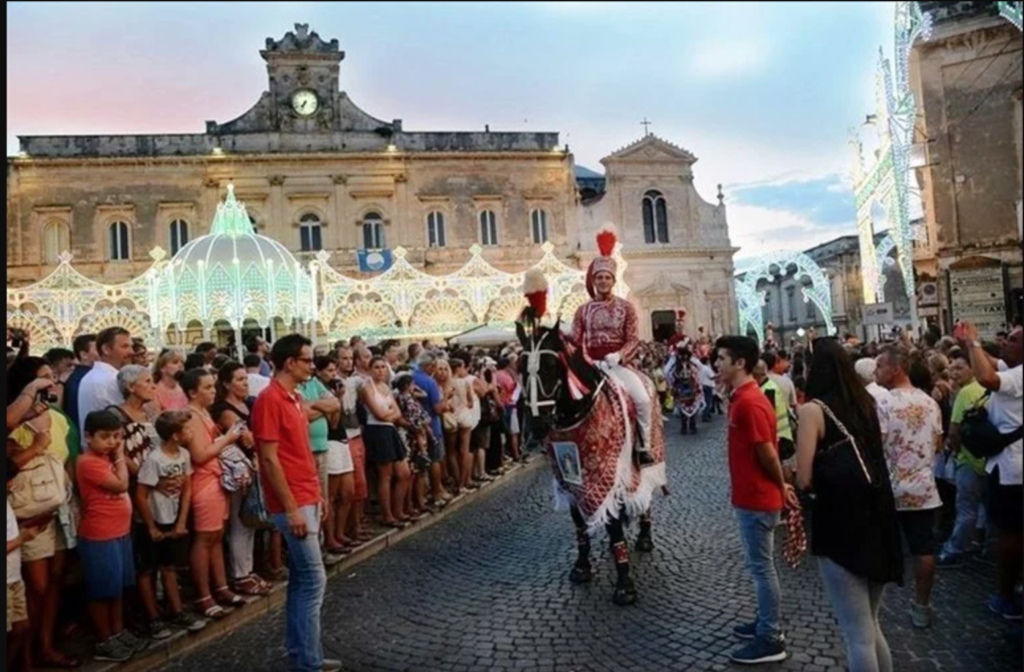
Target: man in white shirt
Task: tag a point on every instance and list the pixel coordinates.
(1006, 470)
(883, 398)
(257, 381)
(99, 387)
(707, 381)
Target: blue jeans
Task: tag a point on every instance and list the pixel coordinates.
(970, 494)
(307, 581)
(709, 402)
(757, 532)
(856, 602)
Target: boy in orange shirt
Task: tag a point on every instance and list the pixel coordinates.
(104, 536)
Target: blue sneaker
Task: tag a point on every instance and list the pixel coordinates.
(1008, 609)
(745, 630)
(760, 651)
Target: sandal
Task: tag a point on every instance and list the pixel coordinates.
(229, 598)
(251, 585)
(396, 524)
(214, 611)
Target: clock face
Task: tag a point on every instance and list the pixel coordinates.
(305, 103)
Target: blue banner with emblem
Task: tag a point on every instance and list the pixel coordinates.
(374, 261)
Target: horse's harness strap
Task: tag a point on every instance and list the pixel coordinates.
(533, 358)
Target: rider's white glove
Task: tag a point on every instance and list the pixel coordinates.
(613, 359)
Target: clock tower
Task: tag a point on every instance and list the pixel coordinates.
(303, 73)
(303, 96)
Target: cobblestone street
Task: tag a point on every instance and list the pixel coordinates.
(487, 589)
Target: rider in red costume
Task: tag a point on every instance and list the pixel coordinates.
(606, 327)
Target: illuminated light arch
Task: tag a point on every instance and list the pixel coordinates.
(364, 318)
(442, 315)
(42, 332)
(135, 321)
(750, 300)
(505, 309)
(886, 179)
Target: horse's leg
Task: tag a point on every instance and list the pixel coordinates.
(644, 541)
(625, 589)
(581, 572)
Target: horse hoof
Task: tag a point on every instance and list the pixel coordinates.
(644, 543)
(580, 575)
(625, 595)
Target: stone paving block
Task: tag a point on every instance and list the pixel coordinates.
(486, 588)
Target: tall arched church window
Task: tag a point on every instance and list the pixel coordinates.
(655, 218)
(310, 233)
(118, 242)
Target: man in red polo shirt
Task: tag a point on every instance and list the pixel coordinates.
(758, 494)
(292, 484)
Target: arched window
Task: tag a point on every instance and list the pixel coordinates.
(488, 228)
(539, 222)
(56, 239)
(310, 235)
(809, 305)
(373, 231)
(655, 216)
(179, 235)
(435, 230)
(791, 304)
(255, 228)
(120, 247)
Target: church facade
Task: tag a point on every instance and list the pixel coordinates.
(318, 173)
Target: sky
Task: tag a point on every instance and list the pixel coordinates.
(763, 93)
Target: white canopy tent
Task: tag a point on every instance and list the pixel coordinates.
(484, 336)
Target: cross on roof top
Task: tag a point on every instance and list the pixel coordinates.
(645, 123)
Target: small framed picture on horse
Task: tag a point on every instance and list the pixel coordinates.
(568, 456)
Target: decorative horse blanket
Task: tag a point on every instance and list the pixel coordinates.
(594, 464)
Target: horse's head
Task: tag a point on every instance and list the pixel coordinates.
(543, 367)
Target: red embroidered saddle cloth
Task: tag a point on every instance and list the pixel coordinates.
(609, 477)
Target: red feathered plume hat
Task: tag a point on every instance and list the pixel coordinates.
(607, 237)
(535, 288)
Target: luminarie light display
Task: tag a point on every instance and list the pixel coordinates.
(885, 180)
(233, 279)
(751, 299)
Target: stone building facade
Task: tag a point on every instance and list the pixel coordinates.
(967, 82)
(676, 243)
(318, 173)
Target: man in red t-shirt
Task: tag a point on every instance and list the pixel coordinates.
(292, 484)
(758, 494)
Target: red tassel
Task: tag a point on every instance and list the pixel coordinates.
(539, 302)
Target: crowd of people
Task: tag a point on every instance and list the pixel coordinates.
(173, 473)
(195, 473)
(903, 456)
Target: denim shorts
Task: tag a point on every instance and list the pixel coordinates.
(109, 567)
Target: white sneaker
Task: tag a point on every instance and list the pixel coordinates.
(920, 616)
